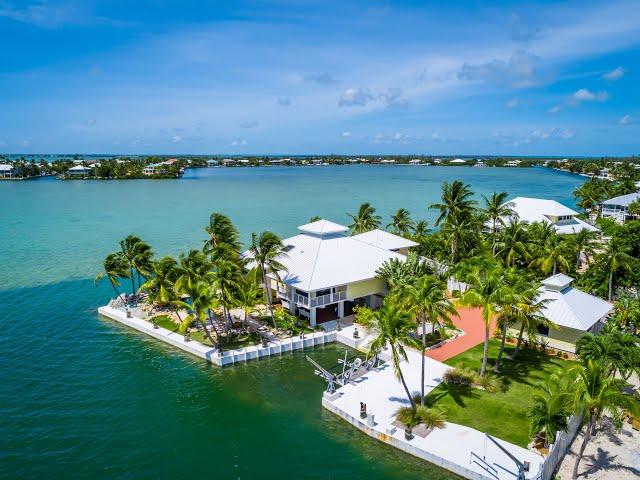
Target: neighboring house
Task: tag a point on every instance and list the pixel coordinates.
(618, 207)
(572, 310)
(328, 272)
(228, 162)
(513, 163)
(415, 161)
(479, 163)
(212, 163)
(458, 161)
(563, 219)
(79, 171)
(153, 169)
(7, 171)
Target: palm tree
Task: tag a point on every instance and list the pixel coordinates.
(247, 295)
(223, 237)
(203, 300)
(428, 296)
(137, 255)
(489, 292)
(496, 209)
(267, 250)
(194, 267)
(163, 276)
(315, 218)
(530, 318)
(615, 258)
(365, 220)
(550, 410)
(393, 326)
(401, 222)
(619, 351)
(512, 243)
(115, 267)
(401, 272)
(456, 202)
(225, 281)
(594, 393)
(552, 254)
(581, 243)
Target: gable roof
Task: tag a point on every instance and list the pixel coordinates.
(569, 307)
(385, 240)
(623, 200)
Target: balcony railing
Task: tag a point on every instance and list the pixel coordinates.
(301, 299)
(328, 298)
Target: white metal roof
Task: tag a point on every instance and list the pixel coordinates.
(569, 307)
(623, 200)
(385, 240)
(79, 168)
(539, 210)
(5, 167)
(316, 261)
(323, 227)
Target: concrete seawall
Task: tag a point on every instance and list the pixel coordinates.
(211, 355)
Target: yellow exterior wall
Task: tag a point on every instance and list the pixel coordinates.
(364, 288)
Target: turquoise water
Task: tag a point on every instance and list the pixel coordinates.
(82, 396)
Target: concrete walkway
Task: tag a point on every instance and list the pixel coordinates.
(470, 321)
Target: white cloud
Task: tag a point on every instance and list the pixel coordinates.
(437, 137)
(512, 103)
(585, 95)
(352, 97)
(626, 120)
(520, 70)
(239, 142)
(346, 134)
(555, 109)
(613, 75)
(176, 139)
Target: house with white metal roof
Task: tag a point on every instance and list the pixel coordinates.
(563, 219)
(7, 170)
(618, 207)
(573, 311)
(328, 272)
(79, 171)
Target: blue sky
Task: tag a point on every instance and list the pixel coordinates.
(293, 76)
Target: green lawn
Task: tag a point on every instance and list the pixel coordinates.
(241, 341)
(503, 413)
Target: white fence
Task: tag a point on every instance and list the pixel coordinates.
(559, 448)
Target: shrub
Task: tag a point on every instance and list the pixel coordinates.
(364, 315)
(407, 416)
(490, 382)
(460, 376)
(431, 417)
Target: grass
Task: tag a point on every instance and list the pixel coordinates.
(243, 340)
(503, 413)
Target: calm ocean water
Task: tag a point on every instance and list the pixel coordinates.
(82, 396)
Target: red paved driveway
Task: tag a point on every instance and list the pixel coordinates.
(469, 320)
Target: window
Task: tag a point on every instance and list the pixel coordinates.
(543, 330)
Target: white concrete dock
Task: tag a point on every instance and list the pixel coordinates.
(462, 450)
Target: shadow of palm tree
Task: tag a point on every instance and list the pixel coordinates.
(457, 392)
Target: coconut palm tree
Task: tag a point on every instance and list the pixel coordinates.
(114, 267)
(393, 326)
(137, 255)
(223, 238)
(160, 285)
(457, 202)
(315, 218)
(512, 245)
(225, 280)
(203, 300)
(194, 267)
(247, 295)
(401, 222)
(594, 393)
(496, 209)
(552, 255)
(614, 259)
(365, 220)
(267, 250)
(488, 291)
(619, 351)
(551, 409)
(428, 296)
(581, 243)
(401, 272)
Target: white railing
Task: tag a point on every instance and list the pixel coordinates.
(301, 299)
(328, 298)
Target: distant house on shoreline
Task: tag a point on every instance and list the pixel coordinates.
(78, 171)
(618, 207)
(7, 171)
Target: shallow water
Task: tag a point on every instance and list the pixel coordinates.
(86, 397)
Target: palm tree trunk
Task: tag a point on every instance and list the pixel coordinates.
(610, 285)
(517, 350)
(485, 352)
(206, 330)
(424, 352)
(587, 435)
(402, 380)
(493, 239)
(555, 266)
(267, 291)
(578, 260)
(505, 325)
(133, 282)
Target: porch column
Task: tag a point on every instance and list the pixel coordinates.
(312, 316)
(341, 309)
(292, 303)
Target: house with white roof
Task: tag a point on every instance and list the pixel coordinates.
(79, 171)
(563, 219)
(573, 311)
(213, 163)
(458, 161)
(513, 163)
(328, 272)
(618, 207)
(7, 170)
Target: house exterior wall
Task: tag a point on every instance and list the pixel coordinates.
(364, 288)
(403, 251)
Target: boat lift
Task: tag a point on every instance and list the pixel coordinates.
(351, 369)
